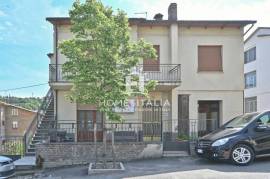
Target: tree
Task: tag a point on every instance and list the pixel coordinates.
(101, 55)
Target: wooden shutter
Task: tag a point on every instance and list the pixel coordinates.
(152, 64)
(209, 58)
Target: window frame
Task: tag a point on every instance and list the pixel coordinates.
(14, 111)
(248, 101)
(248, 53)
(247, 86)
(15, 124)
(221, 58)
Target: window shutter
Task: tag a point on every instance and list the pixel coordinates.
(209, 58)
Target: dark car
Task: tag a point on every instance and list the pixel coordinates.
(239, 140)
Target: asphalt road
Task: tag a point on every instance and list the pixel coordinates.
(169, 168)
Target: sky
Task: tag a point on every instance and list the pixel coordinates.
(26, 37)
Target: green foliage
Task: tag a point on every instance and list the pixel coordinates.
(101, 55)
(183, 137)
(31, 103)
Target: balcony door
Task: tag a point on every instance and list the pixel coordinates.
(86, 120)
(152, 64)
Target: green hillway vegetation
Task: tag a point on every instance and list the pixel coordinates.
(31, 103)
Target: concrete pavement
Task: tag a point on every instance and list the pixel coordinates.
(170, 168)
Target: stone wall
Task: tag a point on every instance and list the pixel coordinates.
(64, 154)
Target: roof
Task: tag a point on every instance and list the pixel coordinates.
(255, 31)
(50, 55)
(7, 104)
(187, 23)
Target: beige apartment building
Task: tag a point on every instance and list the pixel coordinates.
(199, 70)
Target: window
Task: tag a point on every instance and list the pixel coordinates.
(14, 112)
(250, 104)
(152, 64)
(250, 55)
(265, 120)
(209, 58)
(15, 125)
(250, 79)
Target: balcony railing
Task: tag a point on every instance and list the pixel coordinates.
(163, 73)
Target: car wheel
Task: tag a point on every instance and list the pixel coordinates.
(242, 155)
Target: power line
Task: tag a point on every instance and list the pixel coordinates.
(23, 87)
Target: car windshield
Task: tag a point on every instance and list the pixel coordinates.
(240, 121)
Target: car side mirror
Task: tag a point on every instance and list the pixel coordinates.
(261, 128)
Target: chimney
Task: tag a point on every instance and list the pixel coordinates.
(158, 16)
(172, 12)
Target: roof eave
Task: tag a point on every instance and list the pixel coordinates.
(187, 23)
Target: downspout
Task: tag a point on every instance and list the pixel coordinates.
(56, 67)
(56, 50)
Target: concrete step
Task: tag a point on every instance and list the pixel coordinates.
(36, 141)
(39, 138)
(40, 130)
(31, 150)
(31, 145)
(25, 163)
(38, 134)
(175, 154)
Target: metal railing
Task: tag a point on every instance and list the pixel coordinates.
(188, 129)
(12, 145)
(163, 73)
(176, 129)
(65, 131)
(37, 119)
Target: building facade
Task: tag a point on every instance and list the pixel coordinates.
(256, 59)
(14, 120)
(199, 72)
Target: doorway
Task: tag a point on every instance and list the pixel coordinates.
(85, 121)
(208, 116)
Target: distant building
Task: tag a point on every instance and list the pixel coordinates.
(14, 120)
(256, 68)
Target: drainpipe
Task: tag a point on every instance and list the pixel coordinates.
(56, 50)
(56, 67)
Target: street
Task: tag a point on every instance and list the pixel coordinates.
(165, 168)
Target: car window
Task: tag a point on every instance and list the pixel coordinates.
(265, 119)
(240, 121)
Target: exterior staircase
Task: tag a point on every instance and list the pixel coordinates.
(38, 131)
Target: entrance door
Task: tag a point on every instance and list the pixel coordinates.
(209, 116)
(86, 120)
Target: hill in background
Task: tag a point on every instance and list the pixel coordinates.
(31, 103)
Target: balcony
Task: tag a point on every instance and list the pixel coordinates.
(166, 74)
